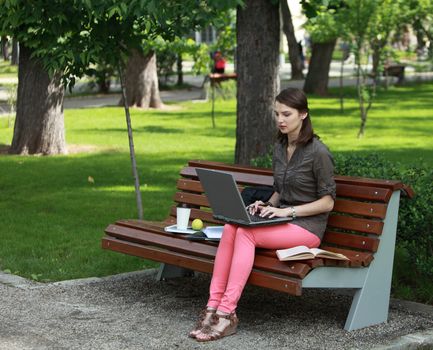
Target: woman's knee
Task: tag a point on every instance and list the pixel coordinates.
(243, 234)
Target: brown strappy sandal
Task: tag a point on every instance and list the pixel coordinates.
(213, 334)
(203, 321)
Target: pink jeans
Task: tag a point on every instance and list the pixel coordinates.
(235, 258)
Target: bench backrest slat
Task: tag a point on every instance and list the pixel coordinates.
(355, 224)
(351, 241)
(374, 210)
(206, 216)
(377, 210)
(191, 199)
(392, 185)
(362, 192)
(240, 177)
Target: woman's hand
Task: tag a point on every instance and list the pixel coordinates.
(271, 212)
(256, 207)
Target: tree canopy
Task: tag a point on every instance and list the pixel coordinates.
(69, 35)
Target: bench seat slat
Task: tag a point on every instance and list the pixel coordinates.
(357, 259)
(161, 239)
(154, 236)
(258, 278)
(143, 232)
(272, 253)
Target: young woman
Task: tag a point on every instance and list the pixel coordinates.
(304, 189)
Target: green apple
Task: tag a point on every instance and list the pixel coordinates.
(197, 224)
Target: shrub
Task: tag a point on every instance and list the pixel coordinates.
(414, 254)
(415, 223)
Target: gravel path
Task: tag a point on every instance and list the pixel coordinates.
(133, 311)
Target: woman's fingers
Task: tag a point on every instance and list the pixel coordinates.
(255, 207)
(271, 212)
(265, 211)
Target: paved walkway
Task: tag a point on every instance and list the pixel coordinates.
(196, 91)
(133, 311)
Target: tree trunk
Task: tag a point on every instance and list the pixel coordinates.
(141, 80)
(294, 54)
(376, 53)
(39, 125)
(420, 42)
(103, 81)
(179, 69)
(258, 32)
(5, 47)
(15, 52)
(318, 70)
(138, 198)
(341, 83)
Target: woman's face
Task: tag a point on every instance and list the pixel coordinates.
(288, 119)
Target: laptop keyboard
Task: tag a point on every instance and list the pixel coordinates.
(257, 218)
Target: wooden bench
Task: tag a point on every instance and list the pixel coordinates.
(395, 70)
(215, 80)
(362, 226)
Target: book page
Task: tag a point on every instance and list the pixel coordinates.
(299, 252)
(213, 231)
(295, 250)
(327, 254)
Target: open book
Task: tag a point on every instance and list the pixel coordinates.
(302, 253)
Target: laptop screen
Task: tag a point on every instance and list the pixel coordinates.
(222, 194)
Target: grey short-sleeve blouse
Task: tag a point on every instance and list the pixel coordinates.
(308, 176)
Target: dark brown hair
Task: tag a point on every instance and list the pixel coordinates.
(295, 98)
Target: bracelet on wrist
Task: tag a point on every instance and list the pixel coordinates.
(293, 212)
(267, 204)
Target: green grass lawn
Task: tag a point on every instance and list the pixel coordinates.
(52, 217)
(7, 70)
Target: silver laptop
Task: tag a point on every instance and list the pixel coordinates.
(226, 201)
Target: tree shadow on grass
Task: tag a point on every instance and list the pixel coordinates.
(188, 114)
(4, 149)
(151, 129)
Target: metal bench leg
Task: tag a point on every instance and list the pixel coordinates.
(370, 303)
(167, 271)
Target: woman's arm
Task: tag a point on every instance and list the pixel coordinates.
(275, 199)
(322, 205)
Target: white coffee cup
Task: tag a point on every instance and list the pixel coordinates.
(182, 216)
